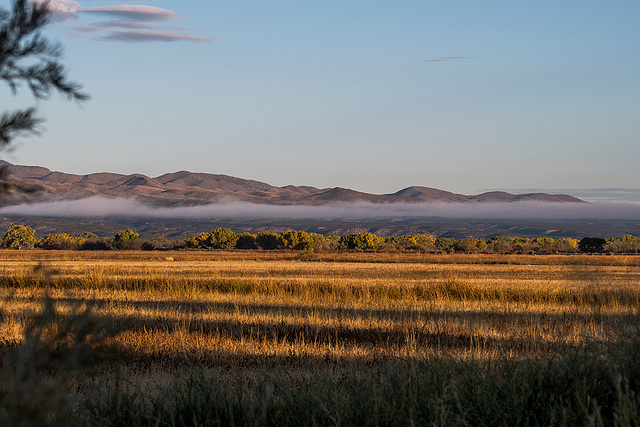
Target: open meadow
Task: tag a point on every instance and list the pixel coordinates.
(296, 338)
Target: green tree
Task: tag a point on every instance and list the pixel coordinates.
(202, 240)
(360, 241)
(269, 240)
(626, 244)
(157, 243)
(60, 241)
(566, 245)
(223, 238)
(88, 236)
(325, 243)
(91, 242)
(445, 244)
(470, 245)
(127, 239)
(544, 245)
(192, 242)
(27, 57)
(591, 244)
(246, 241)
(297, 240)
(19, 237)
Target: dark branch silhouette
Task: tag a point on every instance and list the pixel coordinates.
(28, 58)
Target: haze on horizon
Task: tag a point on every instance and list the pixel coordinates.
(372, 96)
(101, 207)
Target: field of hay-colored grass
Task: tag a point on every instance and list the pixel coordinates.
(236, 314)
(219, 307)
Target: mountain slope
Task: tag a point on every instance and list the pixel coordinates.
(187, 188)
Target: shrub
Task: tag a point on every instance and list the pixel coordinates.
(566, 245)
(60, 241)
(246, 241)
(591, 244)
(269, 240)
(470, 245)
(19, 237)
(223, 238)
(445, 244)
(127, 239)
(297, 240)
(626, 244)
(360, 241)
(158, 243)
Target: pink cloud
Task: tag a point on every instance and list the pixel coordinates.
(148, 35)
(142, 13)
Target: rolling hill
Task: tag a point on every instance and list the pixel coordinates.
(188, 189)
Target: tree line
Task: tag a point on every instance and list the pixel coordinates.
(22, 237)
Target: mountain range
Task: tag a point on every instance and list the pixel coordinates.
(188, 189)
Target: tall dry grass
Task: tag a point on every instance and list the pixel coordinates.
(450, 340)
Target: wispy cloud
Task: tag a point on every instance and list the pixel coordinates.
(100, 26)
(106, 207)
(141, 22)
(141, 13)
(147, 36)
(449, 58)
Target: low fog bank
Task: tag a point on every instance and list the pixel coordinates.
(107, 207)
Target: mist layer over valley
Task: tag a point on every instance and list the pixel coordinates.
(183, 203)
(129, 207)
(106, 216)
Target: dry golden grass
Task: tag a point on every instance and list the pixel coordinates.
(217, 338)
(266, 308)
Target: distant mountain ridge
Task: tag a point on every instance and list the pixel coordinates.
(188, 188)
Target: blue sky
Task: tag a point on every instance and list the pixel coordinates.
(372, 95)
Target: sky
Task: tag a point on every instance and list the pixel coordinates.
(371, 95)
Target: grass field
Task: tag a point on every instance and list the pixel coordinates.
(219, 338)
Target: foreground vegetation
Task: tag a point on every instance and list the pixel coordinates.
(292, 337)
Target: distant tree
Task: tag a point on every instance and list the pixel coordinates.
(19, 237)
(191, 242)
(269, 240)
(87, 236)
(423, 242)
(626, 244)
(202, 240)
(360, 241)
(500, 244)
(470, 245)
(544, 245)
(127, 239)
(91, 242)
(223, 238)
(59, 241)
(157, 243)
(289, 239)
(415, 242)
(591, 244)
(445, 244)
(566, 245)
(508, 244)
(306, 241)
(297, 240)
(246, 241)
(325, 243)
(27, 57)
